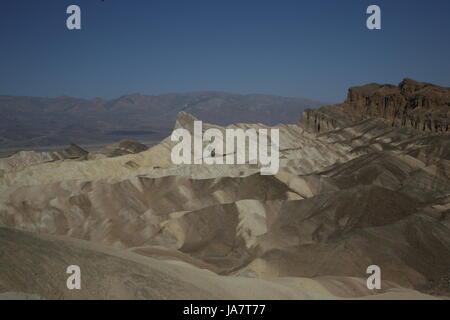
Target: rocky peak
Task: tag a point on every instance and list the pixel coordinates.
(185, 120)
(72, 152)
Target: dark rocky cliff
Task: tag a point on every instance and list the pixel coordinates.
(421, 106)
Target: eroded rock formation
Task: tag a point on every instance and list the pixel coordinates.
(421, 106)
(355, 187)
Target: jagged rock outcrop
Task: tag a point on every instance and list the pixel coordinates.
(120, 148)
(23, 159)
(417, 105)
(72, 152)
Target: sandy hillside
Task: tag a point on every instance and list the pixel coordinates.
(358, 184)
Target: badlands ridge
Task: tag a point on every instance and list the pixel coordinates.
(360, 183)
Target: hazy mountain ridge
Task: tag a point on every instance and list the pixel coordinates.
(31, 121)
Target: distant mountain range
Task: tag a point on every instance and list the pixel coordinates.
(32, 121)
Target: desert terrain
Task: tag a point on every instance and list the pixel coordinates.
(365, 182)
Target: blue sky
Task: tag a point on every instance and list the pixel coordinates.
(314, 49)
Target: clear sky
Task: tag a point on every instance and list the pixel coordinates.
(313, 49)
